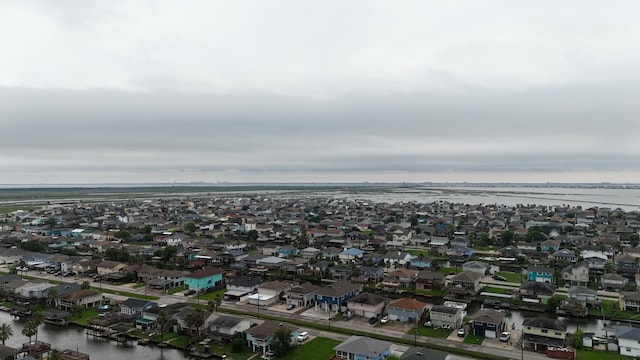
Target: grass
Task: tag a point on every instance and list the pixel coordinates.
(212, 295)
(432, 292)
(473, 339)
(177, 289)
(447, 270)
(434, 333)
(510, 276)
(181, 341)
(494, 290)
(83, 317)
(418, 252)
(138, 286)
(587, 354)
(315, 349)
(126, 293)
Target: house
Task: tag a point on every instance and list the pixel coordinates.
(334, 297)
(613, 282)
(488, 323)
(394, 258)
(84, 297)
(260, 337)
(476, 266)
(421, 262)
(33, 290)
(540, 274)
(595, 261)
(366, 305)
(464, 286)
(309, 253)
(441, 315)
(542, 333)
(427, 280)
(330, 253)
(136, 306)
(626, 265)
(363, 348)
(438, 245)
(240, 288)
(108, 267)
(539, 291)
(286, 251)
(203, 279)
(406, 310)
(576, 274)
(350, 255)
(399, 278)
(230, 256)
(550, 245)
(565, 255)
(630, 301)
(167, 279)
(301, 295)
(628, 340)
(226, 327)
(269, 293)
(583, 295)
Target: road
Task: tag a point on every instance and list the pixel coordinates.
(250, 310)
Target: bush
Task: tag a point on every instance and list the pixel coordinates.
(237, 345)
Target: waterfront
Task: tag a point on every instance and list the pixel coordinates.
(74, 337)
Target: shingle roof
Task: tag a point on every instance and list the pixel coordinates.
(206, 272)
(363, 346)
(409, 304)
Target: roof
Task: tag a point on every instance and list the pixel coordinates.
(420, 353)
(266, 329)
(467, 276)
(246, 281)
(408, 304)
(544, 323)
(363, 346)
(206, 272)
(338, 289)
(368, 299)
(82, 293)
(488, 316)
(306, 288)
(445, 309)
(581, 290)
(135, 303)
(627, 332)
(226, 321)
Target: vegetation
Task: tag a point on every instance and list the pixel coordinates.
(315, 349)
(6, 331)
(473, 339)
(510, 276)
(281, 343)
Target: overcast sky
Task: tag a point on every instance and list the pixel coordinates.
(319, 91)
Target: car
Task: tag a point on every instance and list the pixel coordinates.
(384, 320)
(461, 332)
(373, 320)
(499, 278)
(302, 336)
(505, 336)
(291, 307)
(189, 292)
(428, 324)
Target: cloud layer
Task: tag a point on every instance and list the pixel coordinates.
(307, 91)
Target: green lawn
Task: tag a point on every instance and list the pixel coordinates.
(126, 293)
(434, 333)
(447, 270)
(472, 339)
(494, 290)
(212, 295)
(177, 289)
(418, 252)
(599, 355)
(315, 349)
(84, 316)
(510, 276)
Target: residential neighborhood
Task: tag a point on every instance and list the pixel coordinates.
(439, 270)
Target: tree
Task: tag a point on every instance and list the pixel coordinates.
(123, 235)
(195, 320)
(55, 354)
(85, 285)
(6, 331)
(38, 318)
(237, 345)
(30, 329)
(190, 228)
(52, 296)
(162, 321)
(577, 339)
(281, 343)
(555, 301)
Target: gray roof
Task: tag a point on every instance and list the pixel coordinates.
(627, 332)
(544, 323)
(489, 316)
(445, 309)
(363, 346)
(368, 298)
(226, 321)
(581, 290)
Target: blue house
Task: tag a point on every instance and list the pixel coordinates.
(204, 279)
(363, 348)
(334, 297)
(422, 262)
(488, 323)
(540, 274)
(550, 245)
(286, 251)
(406, 310)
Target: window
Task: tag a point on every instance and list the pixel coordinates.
(544, 331)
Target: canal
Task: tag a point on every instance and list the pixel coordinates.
(73, 337)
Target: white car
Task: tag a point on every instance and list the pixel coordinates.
(505, 336)
(302, 336)
(384, 320)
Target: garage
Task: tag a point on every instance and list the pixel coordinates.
(490, 334)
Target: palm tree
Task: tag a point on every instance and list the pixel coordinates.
(52, 296)
(85, 285)
(195, 319)
(162, 320)
(55, 354)
(37, 318)
(6, 331)
(30, 329)
(217, 300)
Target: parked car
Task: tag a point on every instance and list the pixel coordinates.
(291, 307)
(505, 336)
(499, 278)
(302, 336)
(373, 320)
(428, 324)
(384, 320)
(461, 332)
(189, 292)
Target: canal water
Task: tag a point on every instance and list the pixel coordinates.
(73, 337)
